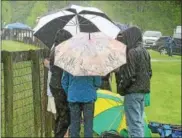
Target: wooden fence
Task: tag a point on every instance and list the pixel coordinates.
(23, 94)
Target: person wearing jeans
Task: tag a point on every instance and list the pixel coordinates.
(81, 95)
(88, 115)
(134, 109)
(133, 80)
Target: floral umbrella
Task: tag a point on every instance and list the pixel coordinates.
(90, 54)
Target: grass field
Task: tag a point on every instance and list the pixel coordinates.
(16, 46)
(165, 85)
(165, 90)
(156, 55)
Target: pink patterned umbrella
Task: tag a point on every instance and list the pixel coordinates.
(93, 54)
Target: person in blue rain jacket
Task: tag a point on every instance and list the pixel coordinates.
(81, 96)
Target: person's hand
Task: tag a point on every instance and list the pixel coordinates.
(46, 63)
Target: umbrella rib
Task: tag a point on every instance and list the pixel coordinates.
(89, 19)
(68, 21)
(80, 20)
(113, 104)
(106, 110)
(114, 120)
(65, 14)
(76, 23)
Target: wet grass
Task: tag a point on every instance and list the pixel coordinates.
(16, 46)
(156, 55)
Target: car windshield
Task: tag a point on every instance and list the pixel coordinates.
(152, 34)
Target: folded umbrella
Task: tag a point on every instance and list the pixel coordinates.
(90, 54)
(74, 19)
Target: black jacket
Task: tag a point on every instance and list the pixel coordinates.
(134, 77)
(57, 72)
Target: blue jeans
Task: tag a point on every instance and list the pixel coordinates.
(88, 114)
(134, 108)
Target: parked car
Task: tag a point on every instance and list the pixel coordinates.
(177, 32)
(161, 46)
(150, 37)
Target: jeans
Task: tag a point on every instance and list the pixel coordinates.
(134, 108)
(88, 114)
(62, 112)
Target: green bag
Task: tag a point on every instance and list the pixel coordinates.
(147, 99)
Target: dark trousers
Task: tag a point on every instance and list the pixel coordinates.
(88, 115)
(62, 115)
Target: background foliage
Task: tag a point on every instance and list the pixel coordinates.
(148, 15)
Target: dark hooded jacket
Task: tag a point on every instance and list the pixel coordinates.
(57, 72)
(134, 77)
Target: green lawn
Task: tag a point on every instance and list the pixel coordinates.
(16, 46)
(165, 93)
(156, 55)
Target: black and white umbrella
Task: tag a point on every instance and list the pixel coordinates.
(74, 19)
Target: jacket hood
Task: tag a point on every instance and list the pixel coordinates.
(131, 37)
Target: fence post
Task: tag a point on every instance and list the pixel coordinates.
(36, 91)
(8, 92)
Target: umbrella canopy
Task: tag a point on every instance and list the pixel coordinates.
(74, 19)
(92, 54)
(109, 114)
(17, 26)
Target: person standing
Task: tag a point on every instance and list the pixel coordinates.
(62, 116)
(51, 104)
(81, 95)
(171, 44)
(133, 80)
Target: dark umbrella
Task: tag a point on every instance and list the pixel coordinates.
(74, 19)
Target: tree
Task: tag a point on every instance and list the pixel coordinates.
(6, 12)
(39, 8)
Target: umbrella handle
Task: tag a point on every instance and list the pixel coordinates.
(89, 35)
